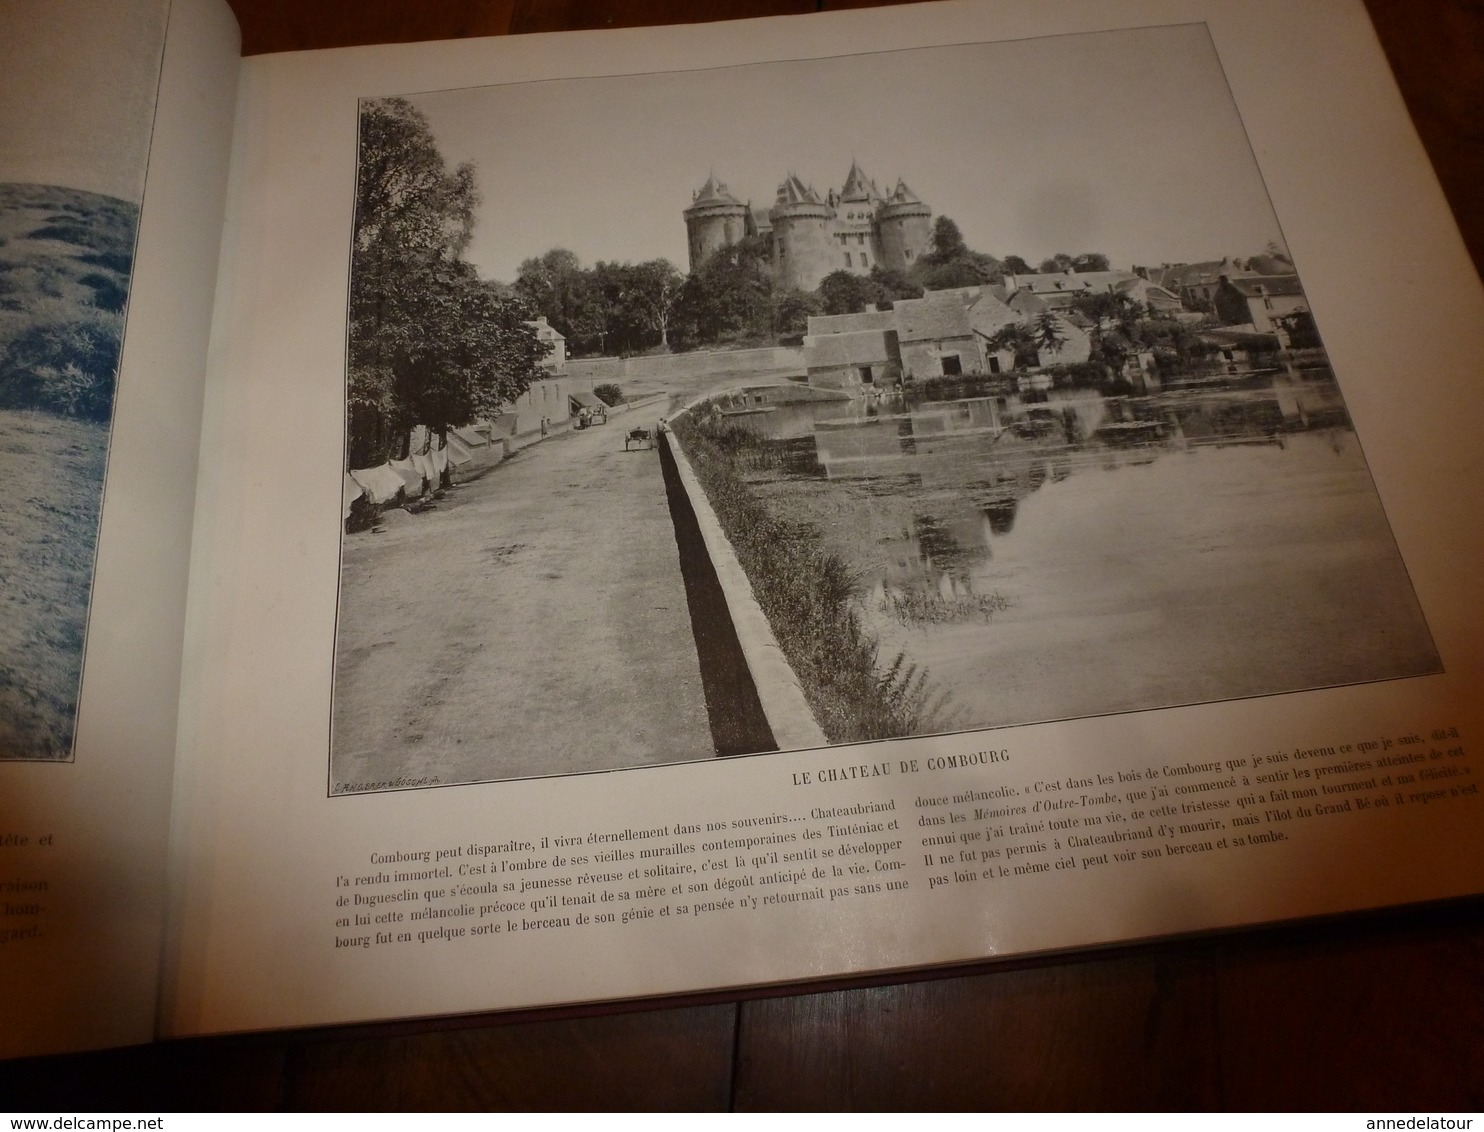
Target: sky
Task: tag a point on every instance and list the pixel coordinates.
(1126, 143)
(77, 92)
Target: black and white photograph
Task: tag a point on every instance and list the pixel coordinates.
(713, 412)
(78, 83)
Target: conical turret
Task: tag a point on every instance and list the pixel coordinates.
(906, 228)
(714, 220)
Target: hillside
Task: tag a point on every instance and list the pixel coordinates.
(65, 258)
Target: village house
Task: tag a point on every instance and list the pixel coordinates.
(1195, 284)
(943, 334)
(853, 358)
(1259, 301)
(1059, 290)
(556, 358)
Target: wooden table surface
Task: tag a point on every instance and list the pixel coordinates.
(1377, 1012)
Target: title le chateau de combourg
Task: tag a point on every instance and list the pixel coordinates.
(859, 228)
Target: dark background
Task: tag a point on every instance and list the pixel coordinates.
(1379, 1012)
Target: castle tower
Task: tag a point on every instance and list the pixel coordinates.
(803, 251)
(855, 232)
(714, 220)
(905, 227)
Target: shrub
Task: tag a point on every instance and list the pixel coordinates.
(608, 393)
(809, 596)
(65, 362)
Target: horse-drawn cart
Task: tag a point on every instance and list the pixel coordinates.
(638, 435)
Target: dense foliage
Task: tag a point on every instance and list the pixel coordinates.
(430, 342)
(618, 308)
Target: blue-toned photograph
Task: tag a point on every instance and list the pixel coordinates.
(73, 154)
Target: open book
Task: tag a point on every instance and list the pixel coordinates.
(519, 522)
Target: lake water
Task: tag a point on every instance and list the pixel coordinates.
(1083, 555)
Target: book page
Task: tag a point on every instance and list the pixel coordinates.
(116, 126)
(1160, 603)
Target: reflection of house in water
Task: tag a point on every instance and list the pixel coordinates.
(1310, 398)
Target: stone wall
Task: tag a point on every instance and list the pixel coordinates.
(769, 359)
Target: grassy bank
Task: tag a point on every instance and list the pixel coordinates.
(808, 595)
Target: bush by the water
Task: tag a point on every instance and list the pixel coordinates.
(809, 597)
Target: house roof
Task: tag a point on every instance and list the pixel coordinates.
(1178, 275)
(988, 313)
(938, 314)
(1026, 303)
(846, 323)
(1256, 286)
(545, 331)
(860, 347)
(1155, 291)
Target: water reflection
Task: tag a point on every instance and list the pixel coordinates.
(1066, 553)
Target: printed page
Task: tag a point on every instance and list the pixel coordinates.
(116, 127)
(899, 487)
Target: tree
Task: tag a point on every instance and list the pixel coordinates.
(950, 262)
(637, 301)
(894, 285)
(1014, 265)
(1111, 308)
(1019, 339)
(844, 292)
(558, 286)
(430, 343)
(729, 299)
(792, 310)
(947, 243)
(1047, 332)
(1087, 261)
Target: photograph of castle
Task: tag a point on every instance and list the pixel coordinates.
(640, 399)
(810, 235)
(77, 99)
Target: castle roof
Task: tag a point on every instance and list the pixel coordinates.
(903, 195)
(714, 192)
(858, 186)
(794, 191)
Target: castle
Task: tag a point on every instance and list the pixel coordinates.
(853, 230)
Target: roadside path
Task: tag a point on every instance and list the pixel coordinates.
(535, 623)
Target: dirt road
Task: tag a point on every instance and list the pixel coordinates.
(535, 623)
